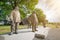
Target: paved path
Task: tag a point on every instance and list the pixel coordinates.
(26, 34)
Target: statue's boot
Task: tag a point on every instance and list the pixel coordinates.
(15, 32)
(10, 33)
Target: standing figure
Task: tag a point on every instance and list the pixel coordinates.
(15, 20)
(33, 21)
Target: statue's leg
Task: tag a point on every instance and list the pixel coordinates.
(16, 27)
(33, 28)
(12, 28)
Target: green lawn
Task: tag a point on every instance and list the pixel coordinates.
(53, 25)
(6, 29)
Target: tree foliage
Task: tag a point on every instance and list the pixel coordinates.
(40, 15)
(25, 6)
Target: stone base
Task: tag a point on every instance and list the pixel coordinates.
(24, 34)
(9, 37)
(41, 36)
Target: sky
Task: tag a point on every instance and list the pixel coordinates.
(51, 9)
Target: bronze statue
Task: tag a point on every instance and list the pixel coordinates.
(15, 20)
(33, 21)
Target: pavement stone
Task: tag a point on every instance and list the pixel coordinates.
(27, 34)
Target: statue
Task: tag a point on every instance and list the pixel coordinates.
(33, 21)
(15, 20)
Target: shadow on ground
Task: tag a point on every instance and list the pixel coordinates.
(18, 32)
(2, 38)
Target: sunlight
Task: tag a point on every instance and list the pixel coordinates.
(51, 9)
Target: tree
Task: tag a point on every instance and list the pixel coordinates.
(40, 15)
(25, 6)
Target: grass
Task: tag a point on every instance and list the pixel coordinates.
(5, 29)
(53, 25)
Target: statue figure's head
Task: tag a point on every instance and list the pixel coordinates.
(16, 7)
(34, 12)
